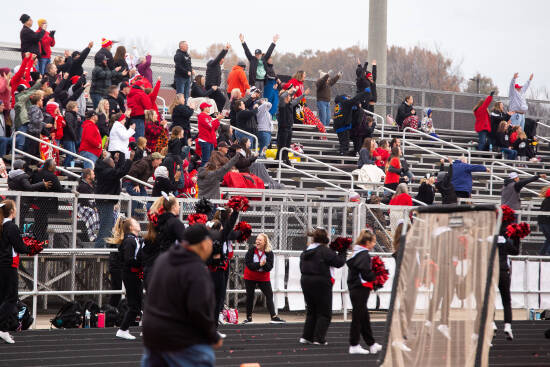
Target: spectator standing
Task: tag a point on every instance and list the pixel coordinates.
(237, 79)
(119, 136)
(462, 176)
(246, 120)
(483, 122)
(46, 43)
(112, 98)
(343, 115)
(30, 40)
(265, 125)
(544, 220)
(103, 120)
(393, 169)
(123, 92)
(214, 77)
(109, 171)
(181, 113)
(144, 68)
(155, 132)
(362, 127)
(36, 123)
(257, 69)
(138, 103)
(518, 101)
(105, 53)
(497, 116)
(184, 70)
(90, 145)
(207, 132)
(72, 122)
(324, 85)
(271, 90)
(512, 187)
(179, 322)
(77, 59)
(445, 185)
(120, 60)
(87, 211)
(143, 171)
(366, 79)
(5, 139)
(101, 78)
(287, 103)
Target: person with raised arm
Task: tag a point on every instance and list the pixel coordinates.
(518, 102)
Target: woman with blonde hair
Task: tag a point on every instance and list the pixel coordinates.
(258, 264)
(115, 263)
(359, 273)
(103, 117)
(316, 264)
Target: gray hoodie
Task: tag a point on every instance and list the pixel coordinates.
(265, 122)
(209, 181)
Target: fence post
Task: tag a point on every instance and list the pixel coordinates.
(453, 111)
(34, 290)
(73, 245)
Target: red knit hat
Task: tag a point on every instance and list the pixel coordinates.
(51, 107)
(74, 79)
(122, 117)
(106, 43)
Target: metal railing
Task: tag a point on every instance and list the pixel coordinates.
(513, 169)
(302, 155)
(163, 107)
(436, 139)
(382, 120)
(542, 137)
(421, 148)
(248, 134)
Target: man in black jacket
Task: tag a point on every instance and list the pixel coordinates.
(184, 70)
(214, 77)
(366, 79)
(286, 121)
(342, 117)
(29, 39)
(77, 59)
(122, 95)
(112, 97)
(257, 70)
(109, 171)
(178, 321)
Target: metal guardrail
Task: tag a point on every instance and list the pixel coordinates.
(242, 132)
(436, 139)
(542, 137)
(163, 107)
(382, 120)
(513, 169)
(302, 155)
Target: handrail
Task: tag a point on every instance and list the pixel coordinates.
(247, 133)
(381, 118)
(132, 178)
(542, 137)
(384, 188)
(437, 139)
(163, 107)
(281, 164)
(421, 148)
(514, 169)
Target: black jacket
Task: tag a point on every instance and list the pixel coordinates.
(170, 229)
(85, 188)
(317, 262)
(246, 120)
(343, 110)
(214, 70)
(544, 207)
(255, 266)
(510, 247)
(182, 62)
(286, 111)
(71, 126)
(403, 112)
(359, 267)
(254, 61)
(76, 64)
(179, 308)
(445, 186)
(18, 180)
(198, 91)
(103, 125)
(128, 254)
(426, 193)
(243, 164)
(9, 242)
(104, 53)
(114, 106)
(108, 178)
(362, 82)
(30, 40)
(502, 139)
(47, 203)
(497, 118)
(181, 115)
(123, 66)
(163, 184)
(121, 99)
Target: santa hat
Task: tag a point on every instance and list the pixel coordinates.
(517, 86)
(74, 79)
(51, 107)
(41, 22)
(122, 117)
(106, 43)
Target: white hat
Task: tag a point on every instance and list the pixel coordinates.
(161, 171)
(513, 175)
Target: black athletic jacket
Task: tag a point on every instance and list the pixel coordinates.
(9, 242)
(359, 266)
(317, 261)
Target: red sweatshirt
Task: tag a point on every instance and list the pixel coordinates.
(91, 138)
(384, 155)
(390, 176)
(46, 44)
(403, 199)
(138, 101)
(483, 121)
(207, 128)
(23, 76)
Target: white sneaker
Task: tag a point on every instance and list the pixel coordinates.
(5, 336)
(375, 348)
(357, 349)
(125, 334)
(221, 335)
(221, 320)
(508, 331)
(401, 345)
(444, 329)
(317, 343)
(494, 326)
(304, 341)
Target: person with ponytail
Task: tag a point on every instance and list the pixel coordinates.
(115, 262)
(359, 274)
(316, 263)
(131, 274)
(170, 227)
(544, 220)
(11, 245)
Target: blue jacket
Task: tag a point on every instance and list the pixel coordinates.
(462, 175)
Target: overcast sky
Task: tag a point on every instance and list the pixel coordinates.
(494, 37)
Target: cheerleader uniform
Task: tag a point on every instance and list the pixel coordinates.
(256, 275)
(359, 274)
(115, 270)
(11, 245)
(316, 281)
(506, 247)
(131, 276)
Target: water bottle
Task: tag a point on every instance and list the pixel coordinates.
(87, 319)
(531, 314)
(101, 320)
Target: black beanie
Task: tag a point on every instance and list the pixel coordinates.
(24, 18)
(195, 234)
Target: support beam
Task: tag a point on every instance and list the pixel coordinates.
(378, 48)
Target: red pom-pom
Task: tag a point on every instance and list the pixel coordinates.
(507, 214)
(154, 216)
(382, 275)
(518, 230)
(245, 229)
(197, 219)
(238, 203)
(34, 246)
(340, 244)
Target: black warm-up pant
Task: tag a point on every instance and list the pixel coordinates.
(116, 285)
(358, 142)
(360, 318)
(504, 288)
(219, 278)
(265, 287)
(343, 138)
(9, 285)
(317, 292)
(284, 138)
(134, 294)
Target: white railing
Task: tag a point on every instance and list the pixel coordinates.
(302, 155)
(436, 139)
(513, 169)
(163, 107)
(542, 137)
(248, 134)
(382, 120)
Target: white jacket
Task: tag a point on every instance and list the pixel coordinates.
(119, 138)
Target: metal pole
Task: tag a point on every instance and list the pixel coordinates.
(73, 245)
(34, 290)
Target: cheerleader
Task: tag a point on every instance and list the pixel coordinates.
(506, 246)
(316, 281)
(11, 245)
(115, 263)
(359, 273)
(258, 264)
(132, 274)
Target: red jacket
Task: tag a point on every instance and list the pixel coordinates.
(483, 121)
(153, 98)
(46, 44)
(91, 138)
(23, 76)
(138, 101)
(297, 84)
(207, 128)
(403, 199)
(384, 155)
(392, 177)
